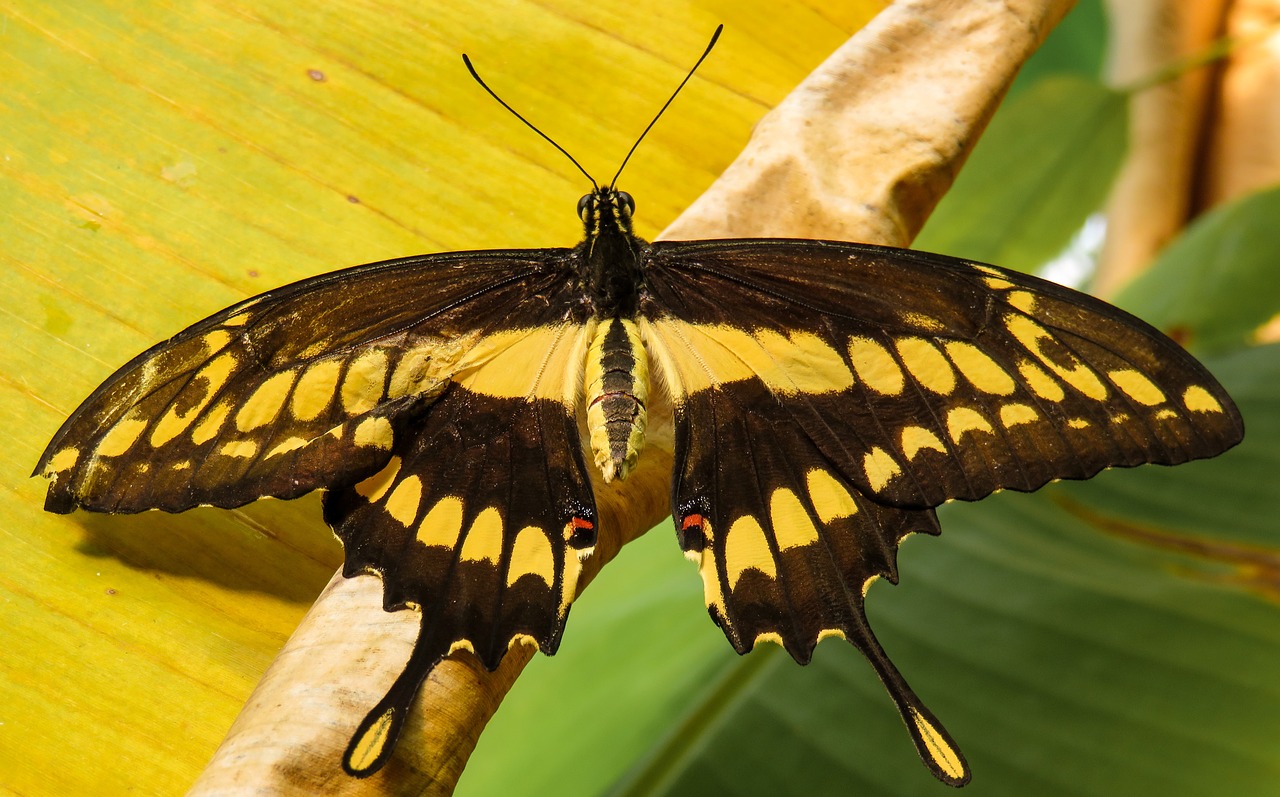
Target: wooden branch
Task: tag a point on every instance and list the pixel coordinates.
(1243, 146)
(862, 150)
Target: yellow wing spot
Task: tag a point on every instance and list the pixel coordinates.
(981, 371)
(236, 320)
(211, 424)
(1082, 378)
(315, 390)
(214, 375)
(369, 746)
(1165, 414)
(792, 526)
(831, 633)
(943, 754)
(403, 503)
(461, 644)
(1119, 418)
(997, 283)
(511, 364)
(696, 357)
(1040, 382)
(1137, 387)
(925, 323)
(800, 362)
(927, 364)
(362, 386)
(376, 486)
(265, 404)
(413, 372)
(962, 420)
(63, 460)
(745, 547)
(289, 444)
(523, 639)
(484, 538)
(1077, 374)
(1078, 423)
(121, 437)
(171, 424)
(768, 636)
(183, 465)
(876, 367)
(916, 439)
(216, 340)
(373, 432)
(1013, 414)
(443, 524)
(193, 399)
(711, 593)
(532, 555)
(572, 570)
(1197, 399)
(239, 448)
(866, 585)
(881, 468)
(831, 500)
(1022, 300)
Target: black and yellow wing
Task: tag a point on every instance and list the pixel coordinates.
(434, 398)
(302, 387)
(827, 396)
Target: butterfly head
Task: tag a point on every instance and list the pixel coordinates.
(606, 210)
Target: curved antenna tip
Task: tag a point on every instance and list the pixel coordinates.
(707, 51)
(476, 76)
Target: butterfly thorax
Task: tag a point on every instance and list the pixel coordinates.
(616, 375)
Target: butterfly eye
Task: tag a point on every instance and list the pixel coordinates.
(625, 202)
(583, 204)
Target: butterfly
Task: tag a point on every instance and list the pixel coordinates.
(826, 397)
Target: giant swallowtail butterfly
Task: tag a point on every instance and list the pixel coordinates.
(827, 397)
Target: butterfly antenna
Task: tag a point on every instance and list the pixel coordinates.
(517, 115)
(670, 99)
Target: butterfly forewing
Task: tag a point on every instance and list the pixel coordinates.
(300, 388)
(923, 378)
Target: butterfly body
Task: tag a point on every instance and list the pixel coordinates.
(825, 398)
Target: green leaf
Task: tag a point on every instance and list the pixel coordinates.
(1215, 287)
(1076, 47)
(1043, 166)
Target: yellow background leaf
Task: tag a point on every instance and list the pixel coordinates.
(160, 161)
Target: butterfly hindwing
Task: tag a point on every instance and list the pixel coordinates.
(481, 516)
(296, 389)
(786, 546)
(479, 521)
(923, 378)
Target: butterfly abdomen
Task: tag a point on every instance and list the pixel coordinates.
(617, 386)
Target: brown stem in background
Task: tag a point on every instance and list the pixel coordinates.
(862, 150)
